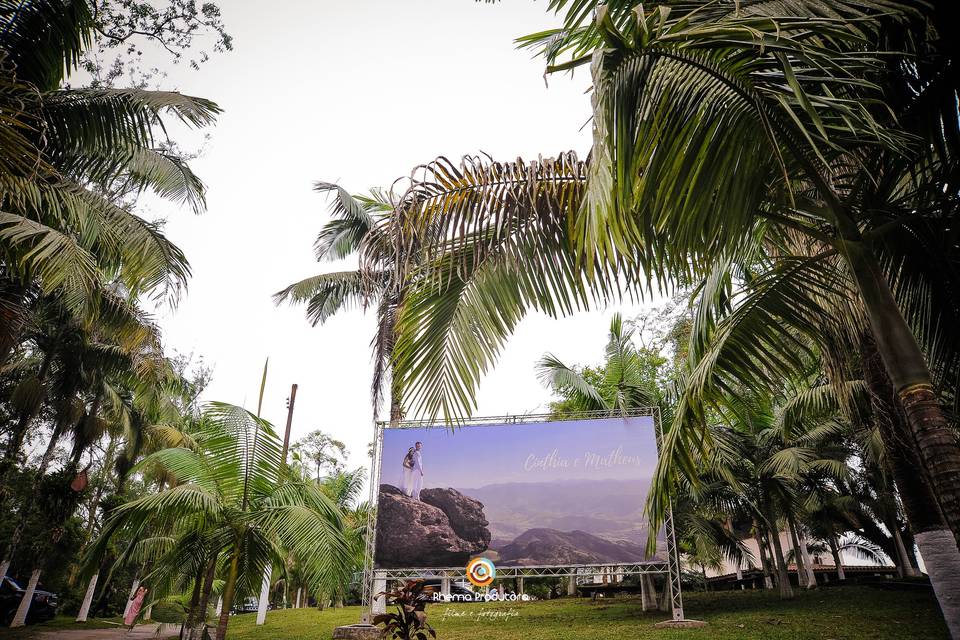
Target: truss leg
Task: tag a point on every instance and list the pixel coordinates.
(379, 602)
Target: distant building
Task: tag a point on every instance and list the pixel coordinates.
(750, 574)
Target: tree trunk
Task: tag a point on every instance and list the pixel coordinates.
(100, 484)
(207, 590)
(911, 545)
(783, 576)
(904, 568)
(798, 559)
(924, 516)
(396, 409)
(28, 414)
(648, 592)
(80, 444)
(837, 560)
(12, 297)
(936, 442)
(264, 596)
(47, 458)
(133, 592)
(88, 598)
(939, 551)
(764, 561)
(229, 590)
(27, 509)
(803, 553)
(192, 612)
(20, 618)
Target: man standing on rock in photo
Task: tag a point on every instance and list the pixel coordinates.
(417, 470)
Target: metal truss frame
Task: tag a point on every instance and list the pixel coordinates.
(566, 571)
(671, 567)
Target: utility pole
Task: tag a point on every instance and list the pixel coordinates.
(286, 436)
(268, 572)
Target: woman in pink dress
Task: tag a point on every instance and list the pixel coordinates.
(135, 606)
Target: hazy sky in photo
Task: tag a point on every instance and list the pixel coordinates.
(476, 456)
(359, 93)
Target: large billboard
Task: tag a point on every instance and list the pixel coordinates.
(554, 493)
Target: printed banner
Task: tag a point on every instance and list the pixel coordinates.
(532, 494)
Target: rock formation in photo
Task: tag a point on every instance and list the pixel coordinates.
(443, 529)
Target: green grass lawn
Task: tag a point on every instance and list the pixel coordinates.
(848, 613)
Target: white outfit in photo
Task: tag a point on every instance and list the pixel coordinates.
(417, 474)
(407, 485)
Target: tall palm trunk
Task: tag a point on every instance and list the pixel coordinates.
(193, 610)
(798, 559)
(904, 568)
(12, 297)
(800, 545)
(396, 404)
(837, 560)
(783, 576)
(88, 598)
(229, 591)
(197, 618)
(764, 560)
(23, 609)
(27, 508)
(28, 414)
(935, 441)
(81, 444)
(935, 540)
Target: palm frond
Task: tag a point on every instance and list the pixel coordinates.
(326, 294)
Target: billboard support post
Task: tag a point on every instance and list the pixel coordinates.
(673, 577)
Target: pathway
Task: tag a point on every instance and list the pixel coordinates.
(139, 632)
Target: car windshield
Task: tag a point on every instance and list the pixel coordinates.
(8, 583)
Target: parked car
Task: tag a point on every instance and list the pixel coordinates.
(248, 605)
(458, 593)
(43, 607)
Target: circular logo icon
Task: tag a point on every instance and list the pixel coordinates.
(481, 572)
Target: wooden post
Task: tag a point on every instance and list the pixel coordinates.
(286, 436)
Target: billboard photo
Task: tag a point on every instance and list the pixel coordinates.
(531, 494)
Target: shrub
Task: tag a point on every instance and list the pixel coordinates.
(410, 620)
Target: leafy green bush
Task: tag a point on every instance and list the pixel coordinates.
(169, 609)
(410, 620)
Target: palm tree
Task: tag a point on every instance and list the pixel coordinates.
(357, 221)
(719, 86)
(801, 308)
(624, 382)
(230, 504)
(72, 161)
(734, 87)
(770, 469)
(345, 489)
(95, 370)
(628, 379)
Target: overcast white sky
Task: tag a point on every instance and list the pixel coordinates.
(356, 92)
